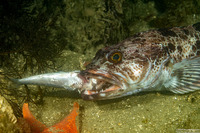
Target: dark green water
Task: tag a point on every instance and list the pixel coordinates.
(45, 36)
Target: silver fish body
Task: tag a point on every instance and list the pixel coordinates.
(68, 80)
(156, 60)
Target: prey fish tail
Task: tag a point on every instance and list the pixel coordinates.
(155, 60)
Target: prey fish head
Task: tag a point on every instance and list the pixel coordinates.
(123, 69)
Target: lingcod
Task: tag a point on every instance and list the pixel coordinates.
(155, 60)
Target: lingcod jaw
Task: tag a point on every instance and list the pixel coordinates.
(100, 95)
(99, 85)
(101, 75)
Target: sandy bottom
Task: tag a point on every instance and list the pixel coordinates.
(150, 112)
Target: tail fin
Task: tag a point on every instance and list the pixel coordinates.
(15, 81)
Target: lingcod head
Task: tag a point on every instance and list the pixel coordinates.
(122, 69)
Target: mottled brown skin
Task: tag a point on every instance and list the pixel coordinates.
(145, 54)
(178, 42)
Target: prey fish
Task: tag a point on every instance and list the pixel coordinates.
(156, 60)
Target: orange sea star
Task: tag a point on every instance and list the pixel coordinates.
(67, 125)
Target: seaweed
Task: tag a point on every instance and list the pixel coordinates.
(176, 13)
(27, 45)
(36, 34)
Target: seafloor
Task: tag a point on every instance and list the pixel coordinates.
(47, 36)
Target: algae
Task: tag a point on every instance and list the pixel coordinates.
(40, 36)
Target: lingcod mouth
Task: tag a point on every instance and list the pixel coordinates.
(99, 84)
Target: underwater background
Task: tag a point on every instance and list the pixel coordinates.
(42, 36)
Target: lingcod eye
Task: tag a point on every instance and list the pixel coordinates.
(116, 57)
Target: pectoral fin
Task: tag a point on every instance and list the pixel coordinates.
(185, 76)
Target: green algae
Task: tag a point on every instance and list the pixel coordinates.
(45, 36)
(6, 126)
